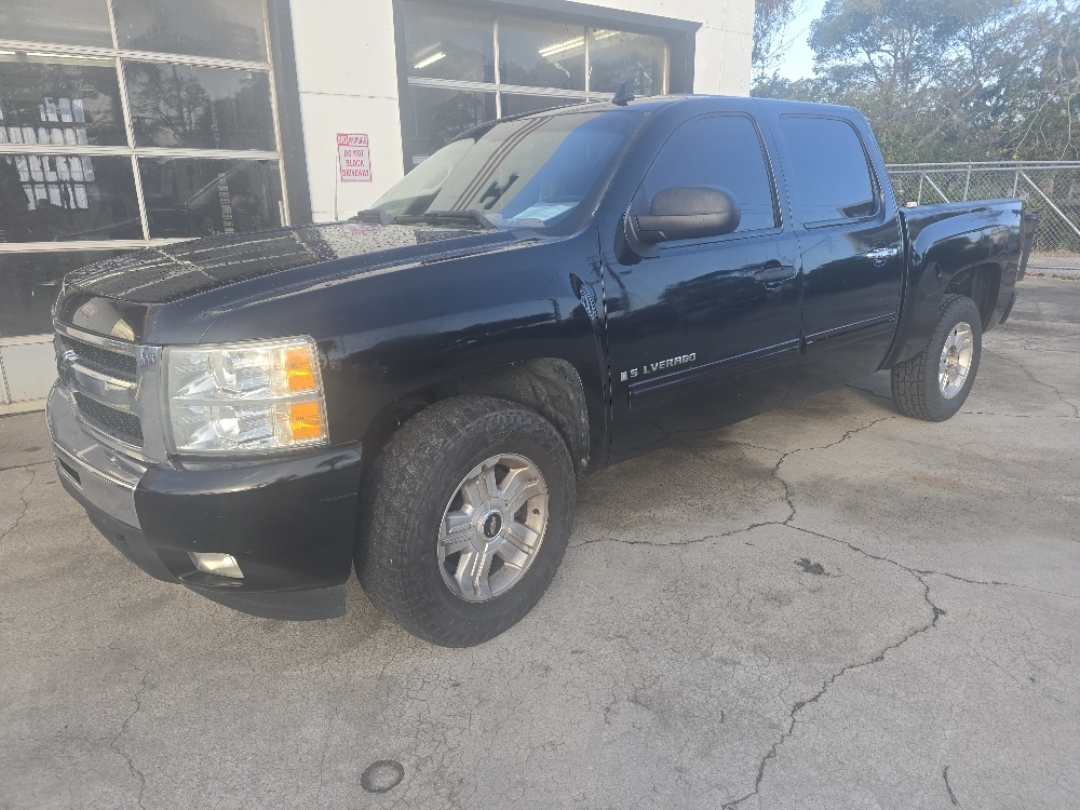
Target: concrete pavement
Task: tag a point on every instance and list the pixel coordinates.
(829, 606)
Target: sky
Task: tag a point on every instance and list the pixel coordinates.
(798, 62)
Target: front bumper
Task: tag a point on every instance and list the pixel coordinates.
(289, 521)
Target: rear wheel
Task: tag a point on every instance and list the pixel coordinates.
(465, 517)
(935, 384)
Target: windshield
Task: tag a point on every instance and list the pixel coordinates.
(538, 172)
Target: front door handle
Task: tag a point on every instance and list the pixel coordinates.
(883, 254)
(775, 274)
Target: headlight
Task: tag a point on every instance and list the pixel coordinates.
(244, 397)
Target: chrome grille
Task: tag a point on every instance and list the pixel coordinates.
(100, 376)
(103, 358)
(124, 426)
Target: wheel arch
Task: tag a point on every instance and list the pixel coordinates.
(550, 386)
(981, 284)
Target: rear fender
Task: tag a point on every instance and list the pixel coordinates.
(974, 252)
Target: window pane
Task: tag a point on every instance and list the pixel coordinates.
(616, 57)
(45, 198)
(60, 101)
(541, 54)
(227, 29)
(65, 22)
(515, 104)
(29, 283)
(449, 44)
(691, 158)
(828, 164)
(434, 116)
(199, 107)
(191, 197)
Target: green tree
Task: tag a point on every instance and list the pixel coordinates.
(1041, 117)
(930, 74)
(957, 80)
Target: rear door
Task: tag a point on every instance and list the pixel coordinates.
(707, 332)
(852, 249)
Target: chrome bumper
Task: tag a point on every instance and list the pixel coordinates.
(104, 478)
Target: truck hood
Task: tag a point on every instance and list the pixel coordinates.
(159, 275)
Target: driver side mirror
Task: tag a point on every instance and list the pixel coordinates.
(690, 212)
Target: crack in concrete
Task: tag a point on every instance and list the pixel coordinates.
(25, 506)
(868, 391)
(775, 473)
(918, 574)
(115, 744)
(927, 572)
(1030, 376)
(935, 614)
(787, 487)
(26, 466)
(948, 787)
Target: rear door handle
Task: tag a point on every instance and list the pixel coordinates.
(775, 274)
(883, 254)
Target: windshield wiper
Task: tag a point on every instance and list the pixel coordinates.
(468, 216)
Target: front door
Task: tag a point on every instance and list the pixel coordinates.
(707, 332)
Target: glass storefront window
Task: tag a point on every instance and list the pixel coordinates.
(29, 283)
(199, 107)
(454, 43)
(59, 100)
(193, 197)
(446, 44)
(518, 104)
(227, 29)
(617, 56)
(535, 53)
(49, 198)
(75, 129)
(66, 22)
(436, 115)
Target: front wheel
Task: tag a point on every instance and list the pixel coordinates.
(465, 516)
(935, 384)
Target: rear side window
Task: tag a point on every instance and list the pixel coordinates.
(829, 169)
(723, 151)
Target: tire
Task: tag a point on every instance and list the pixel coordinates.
(444, 468)
(934, 386)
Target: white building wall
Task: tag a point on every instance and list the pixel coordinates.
(347, 76)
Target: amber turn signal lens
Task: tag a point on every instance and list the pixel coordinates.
(298, 370)
(306, 420)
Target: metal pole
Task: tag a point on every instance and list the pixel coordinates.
(938, 190)
(922, 176)
(967, 183)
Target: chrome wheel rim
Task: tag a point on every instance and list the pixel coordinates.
(955, 364)
(492, 527)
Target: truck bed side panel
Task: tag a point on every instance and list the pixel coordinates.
(941, 242)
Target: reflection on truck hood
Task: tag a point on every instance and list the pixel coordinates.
(161, 274)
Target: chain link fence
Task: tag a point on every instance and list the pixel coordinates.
(1052, 189)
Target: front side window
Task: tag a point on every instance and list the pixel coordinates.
(718, 152)
(536, 173)
(829, 169)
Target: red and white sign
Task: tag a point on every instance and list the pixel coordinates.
(354, 157)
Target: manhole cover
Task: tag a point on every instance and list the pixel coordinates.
(382, 776)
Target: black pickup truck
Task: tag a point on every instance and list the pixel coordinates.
(416, 391)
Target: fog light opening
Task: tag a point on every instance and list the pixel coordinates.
(223, 565)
